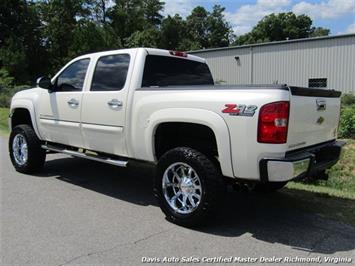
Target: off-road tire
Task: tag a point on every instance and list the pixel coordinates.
(36, 155)
(212, 183)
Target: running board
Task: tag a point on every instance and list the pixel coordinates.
(86, 156)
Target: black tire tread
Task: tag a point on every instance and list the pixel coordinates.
(36, 155)
(214, 185)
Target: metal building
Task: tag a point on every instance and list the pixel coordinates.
(322, 62)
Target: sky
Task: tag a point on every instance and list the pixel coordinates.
(336, 15)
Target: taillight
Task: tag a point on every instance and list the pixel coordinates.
(273, 122)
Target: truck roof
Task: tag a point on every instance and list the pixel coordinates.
(151, 51)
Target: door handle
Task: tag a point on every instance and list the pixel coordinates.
(114, 103)
(73, 102)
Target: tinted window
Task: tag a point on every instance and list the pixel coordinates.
(170, 71)
(72, 78)
(110, 73)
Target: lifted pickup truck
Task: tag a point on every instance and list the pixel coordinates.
(162, 107)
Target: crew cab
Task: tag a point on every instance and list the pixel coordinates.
(162, 107)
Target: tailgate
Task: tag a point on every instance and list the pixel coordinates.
(314, 116)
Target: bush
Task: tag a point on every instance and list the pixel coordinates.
(6, 94)
(7, 88)
(347, 117)
(4, 100)
(347, 99)
(347, 122)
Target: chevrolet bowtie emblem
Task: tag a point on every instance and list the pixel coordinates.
(320, 120)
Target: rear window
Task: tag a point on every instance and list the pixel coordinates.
(170, 71)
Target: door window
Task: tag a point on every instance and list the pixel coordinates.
(73, 77)
(110, 73)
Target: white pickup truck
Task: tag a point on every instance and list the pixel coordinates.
(162, 107)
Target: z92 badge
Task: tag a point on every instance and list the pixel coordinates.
(239, 109)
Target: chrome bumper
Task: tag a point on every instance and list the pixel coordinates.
(301, 163)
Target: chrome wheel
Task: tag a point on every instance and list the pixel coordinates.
(182, 188)
(19, 149)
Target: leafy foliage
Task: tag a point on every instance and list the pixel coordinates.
(21, 52)
(4, 115)
(89, 37)
(220, 32)
(7, 88)
(347, 117)
(282, 26)
(173, 32)
(347, 122)
(145, 38)
(348, 99)
(206, 29)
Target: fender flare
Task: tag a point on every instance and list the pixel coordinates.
(197, 116)
(28, 105)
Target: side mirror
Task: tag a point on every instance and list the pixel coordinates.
(44, 83)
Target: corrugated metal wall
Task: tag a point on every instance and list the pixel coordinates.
(291, 62)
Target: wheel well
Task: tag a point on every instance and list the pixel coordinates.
(21, 116)
(177, 134)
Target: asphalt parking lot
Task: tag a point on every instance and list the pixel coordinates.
(83, 212)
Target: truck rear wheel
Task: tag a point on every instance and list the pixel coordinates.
(188, 185)
(26, 153)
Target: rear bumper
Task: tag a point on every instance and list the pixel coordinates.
(301, 163)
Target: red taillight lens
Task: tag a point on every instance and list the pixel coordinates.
(273, 122)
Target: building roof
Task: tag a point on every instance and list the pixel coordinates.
(274, 43)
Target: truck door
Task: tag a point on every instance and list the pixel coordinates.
(105, 102)
(59, 110)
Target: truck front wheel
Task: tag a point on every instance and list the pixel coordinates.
(188, 186)
(26, 153)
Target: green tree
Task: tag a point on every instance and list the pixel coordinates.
(144, 38)
(60, 19)
(173, 30)
(206, 30)
(319, 31)
(21, 50)
(5, 80)
(197, 26)
(99, 10)
(89, 37)
(152, 12)
(220, 32)
(282, 26)
(126, 17)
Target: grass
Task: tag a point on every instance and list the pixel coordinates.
(4, 115)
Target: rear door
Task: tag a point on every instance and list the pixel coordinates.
(314, 116)
(103, 116)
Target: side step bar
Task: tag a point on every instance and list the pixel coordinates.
(86, 156)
